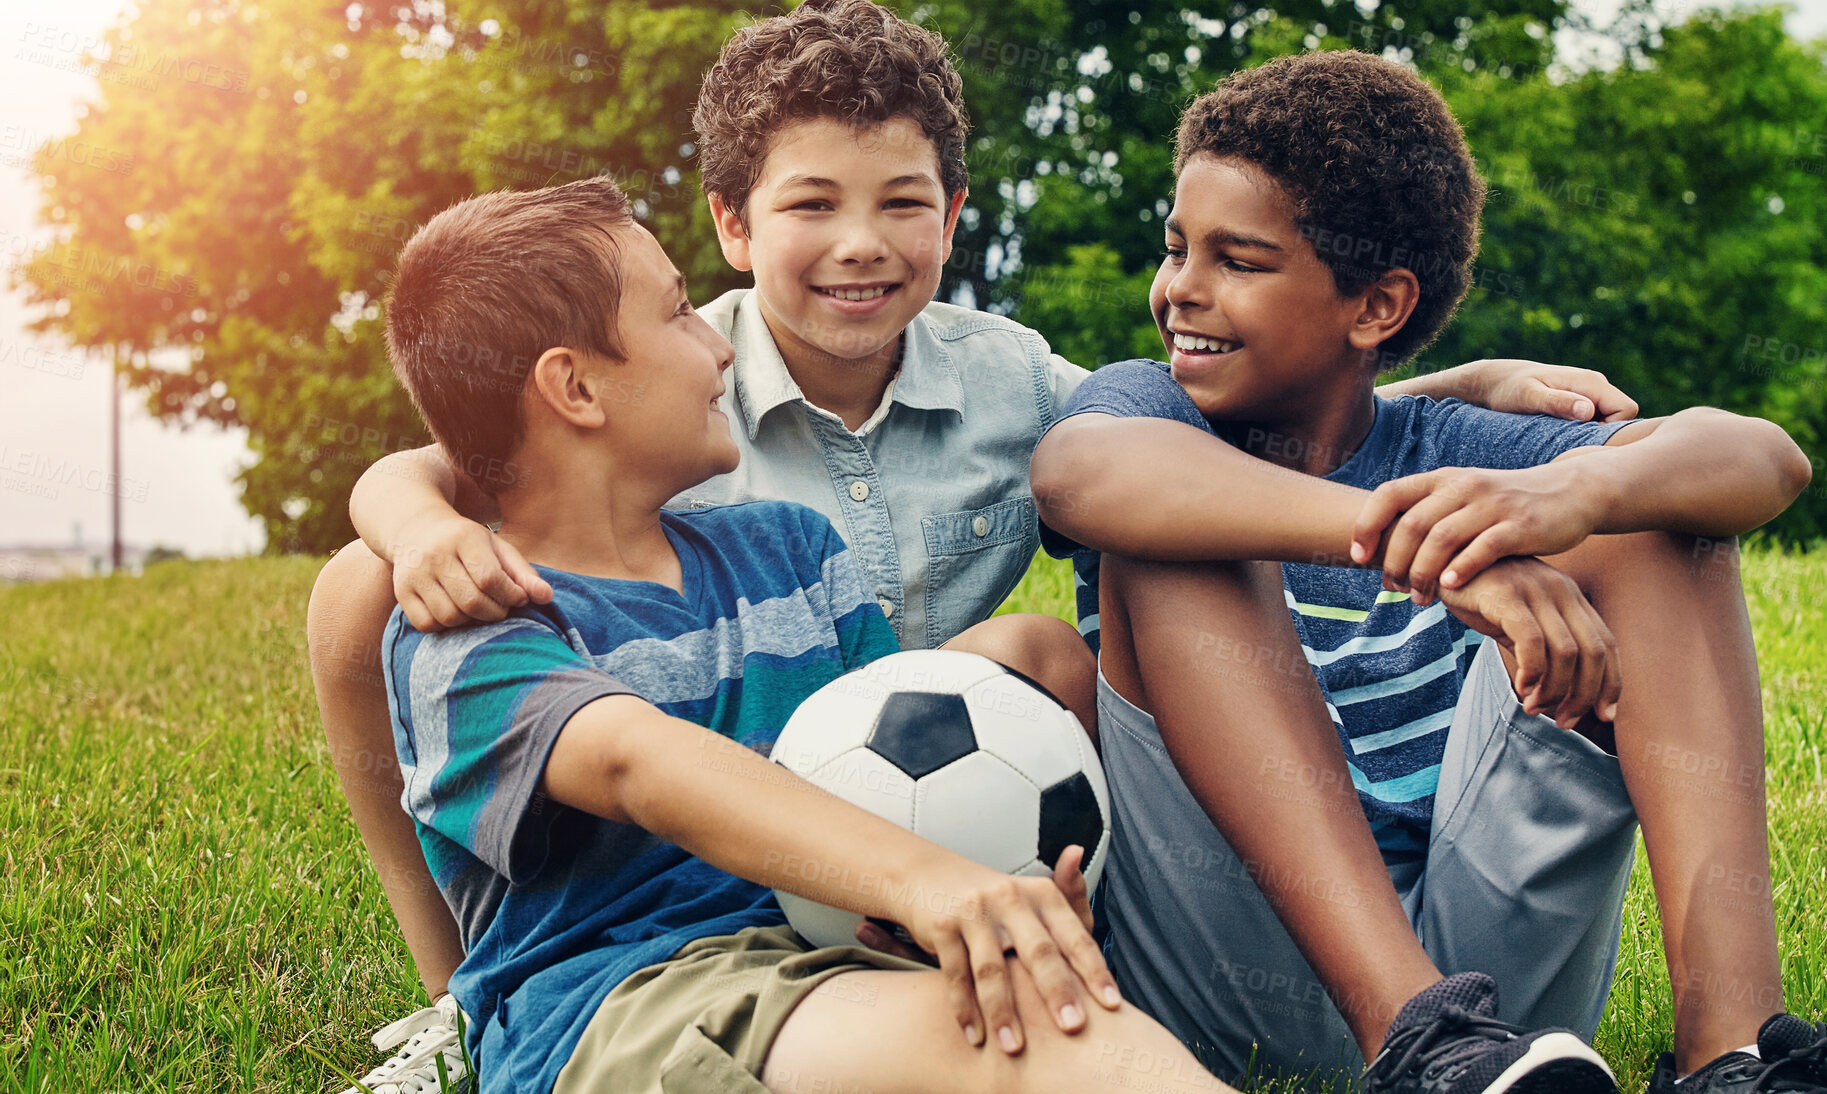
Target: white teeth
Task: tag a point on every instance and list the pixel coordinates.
(856, 294)
(1194, 343)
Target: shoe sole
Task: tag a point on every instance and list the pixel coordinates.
(1556, 1063)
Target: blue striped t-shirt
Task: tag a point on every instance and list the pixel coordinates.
(556, 906)
(1391, 672)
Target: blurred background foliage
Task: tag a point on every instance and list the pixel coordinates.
(1657, 217)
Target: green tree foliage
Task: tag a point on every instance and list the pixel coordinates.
(1076, 118)
(1662, 222)
(237, 264)
(280, 155)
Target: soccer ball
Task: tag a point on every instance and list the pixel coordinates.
(959, 749)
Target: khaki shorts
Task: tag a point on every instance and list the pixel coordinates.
(704, 1019)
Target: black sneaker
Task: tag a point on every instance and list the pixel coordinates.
(1446, 1041)
(1794, 1059)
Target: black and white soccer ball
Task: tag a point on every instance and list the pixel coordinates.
(959, 749)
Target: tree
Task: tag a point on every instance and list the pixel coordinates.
(1076, 108)
(1660, 222)
(279, 157)
(266, 163)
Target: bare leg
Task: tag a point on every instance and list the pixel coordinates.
(1689, 735)
(1209, 649)
(1044, 648)
(904, 1040)
(349, 608)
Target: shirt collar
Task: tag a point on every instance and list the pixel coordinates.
(928, 379)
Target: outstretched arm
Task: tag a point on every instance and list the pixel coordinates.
(1225, 505)
(1702, 471)
(1229, 506)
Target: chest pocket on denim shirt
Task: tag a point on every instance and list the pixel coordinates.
(975, 558)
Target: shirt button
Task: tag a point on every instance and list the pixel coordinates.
(887, 607)
(981, 526)
(859, 490)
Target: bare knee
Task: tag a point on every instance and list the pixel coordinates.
(1114, 1050)
(348, 611)
(1658, 562)
(908, 1039)
(1020, 636)
(1047, 650)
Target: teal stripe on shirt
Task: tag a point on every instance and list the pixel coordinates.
(1430, 671)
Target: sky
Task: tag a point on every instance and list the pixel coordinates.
(177, 487)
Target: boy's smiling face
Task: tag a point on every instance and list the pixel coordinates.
(1254, 325)
(847, 231)
(661, 399)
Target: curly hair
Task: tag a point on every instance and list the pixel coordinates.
(1374, 163)
(850, 60)
(483, 290)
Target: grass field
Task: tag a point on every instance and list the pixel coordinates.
(185, 905)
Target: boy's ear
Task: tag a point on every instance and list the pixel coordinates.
(1388, 302)
(563, 381)
(732, 234)
(951, 223)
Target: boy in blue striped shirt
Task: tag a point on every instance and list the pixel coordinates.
(1333, 785)
(609, 857)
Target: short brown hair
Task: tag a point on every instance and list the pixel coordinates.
(483, 290)
(850, 60)
(1374, 162)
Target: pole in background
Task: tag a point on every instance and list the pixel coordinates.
(114, 430)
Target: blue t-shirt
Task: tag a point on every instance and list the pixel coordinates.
(557, 906)
(1391, 672)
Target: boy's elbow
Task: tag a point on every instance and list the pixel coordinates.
(1063, 473)
(1774, 459)
(1047, 477)
(591, 766)
(1797, 468)
(1794, 471)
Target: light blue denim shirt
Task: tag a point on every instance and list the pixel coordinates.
(932, 491)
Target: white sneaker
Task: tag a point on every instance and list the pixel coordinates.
(423, 1037)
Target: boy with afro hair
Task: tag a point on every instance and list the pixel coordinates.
(1387, 685)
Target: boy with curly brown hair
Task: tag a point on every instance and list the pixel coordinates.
(1387, 685)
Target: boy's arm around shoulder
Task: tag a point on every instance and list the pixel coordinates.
(1517, 386)
(417, 512)
(404, 488)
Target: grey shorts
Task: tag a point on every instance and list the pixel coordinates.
(1527, 864)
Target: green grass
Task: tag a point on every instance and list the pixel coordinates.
(185, 904)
